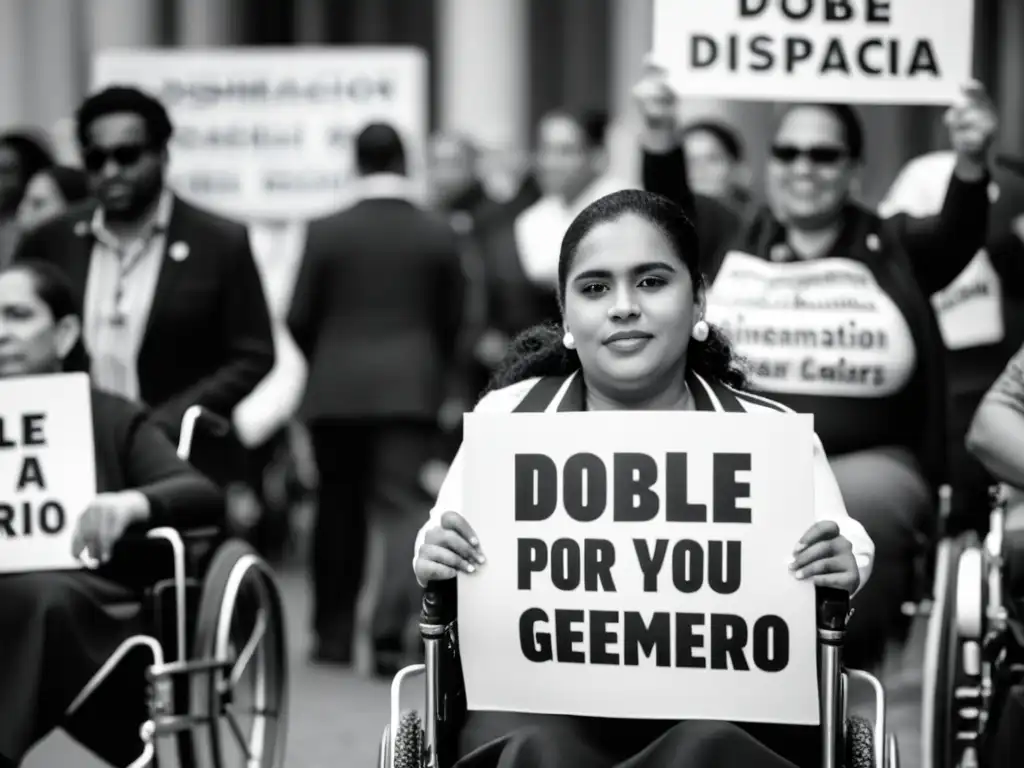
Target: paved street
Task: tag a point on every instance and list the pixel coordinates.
(337, 718)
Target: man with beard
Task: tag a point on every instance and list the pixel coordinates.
(175, 313)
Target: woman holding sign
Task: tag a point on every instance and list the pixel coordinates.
(634, 337)
(829, 304)
(57, 628)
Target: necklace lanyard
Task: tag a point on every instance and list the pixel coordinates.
(127, 259)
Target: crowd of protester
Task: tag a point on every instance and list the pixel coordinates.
(405, 312)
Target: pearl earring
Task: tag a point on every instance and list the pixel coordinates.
(568, 341)
(700, 331)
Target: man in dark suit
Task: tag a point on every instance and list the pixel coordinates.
(175, 313)
(376, 310)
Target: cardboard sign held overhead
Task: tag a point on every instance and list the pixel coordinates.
(853, 51)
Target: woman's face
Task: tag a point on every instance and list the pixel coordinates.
(710, 167)
(809, 171)
(43, 201)
(629, 304)
(31, 341)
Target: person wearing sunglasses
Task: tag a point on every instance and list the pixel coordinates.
(828, 303)
(175, 313)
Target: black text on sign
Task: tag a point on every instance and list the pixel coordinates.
(584, 481)
(684, 640)
(872, 54)
(24, 518)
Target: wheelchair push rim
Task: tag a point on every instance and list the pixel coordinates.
(240, 625)
(953, 667)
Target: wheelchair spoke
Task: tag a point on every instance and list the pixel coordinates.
(267, 714)
(249, 650)
(243, 744)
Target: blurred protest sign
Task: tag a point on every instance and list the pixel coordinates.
(269, 133)
(637, 566)
(863, 51)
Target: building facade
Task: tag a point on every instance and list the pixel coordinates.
(496, 65)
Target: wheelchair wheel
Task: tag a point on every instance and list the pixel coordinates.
(860, 743)
(384, 753)
(409, 741)
(952, 656)
(892, 752)
(240, 625)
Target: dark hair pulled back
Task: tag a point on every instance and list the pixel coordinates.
(53, 288)
(539, 350)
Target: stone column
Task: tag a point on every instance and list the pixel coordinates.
(122, 24)
(310, 22)
(204, 23)
(483, 69)
(13, 82)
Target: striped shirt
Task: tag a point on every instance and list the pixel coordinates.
(828, 501)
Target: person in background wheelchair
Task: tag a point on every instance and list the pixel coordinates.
(996, 439)
(56, 629)
(634, 338)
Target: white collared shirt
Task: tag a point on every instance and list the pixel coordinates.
(385, 186)
(119, 296)
(540, 228)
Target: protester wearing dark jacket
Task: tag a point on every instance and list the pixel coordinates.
(829, 304)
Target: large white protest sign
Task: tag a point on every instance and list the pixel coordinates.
(47, 469)
(637, 566)
(821, 327)
(269, 134)
(867, 51)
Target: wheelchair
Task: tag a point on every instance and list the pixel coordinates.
(212, 610)
(974, 648)
(412, 740)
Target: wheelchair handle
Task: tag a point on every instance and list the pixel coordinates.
(439, 603)
(197, 416)
(833, 609)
